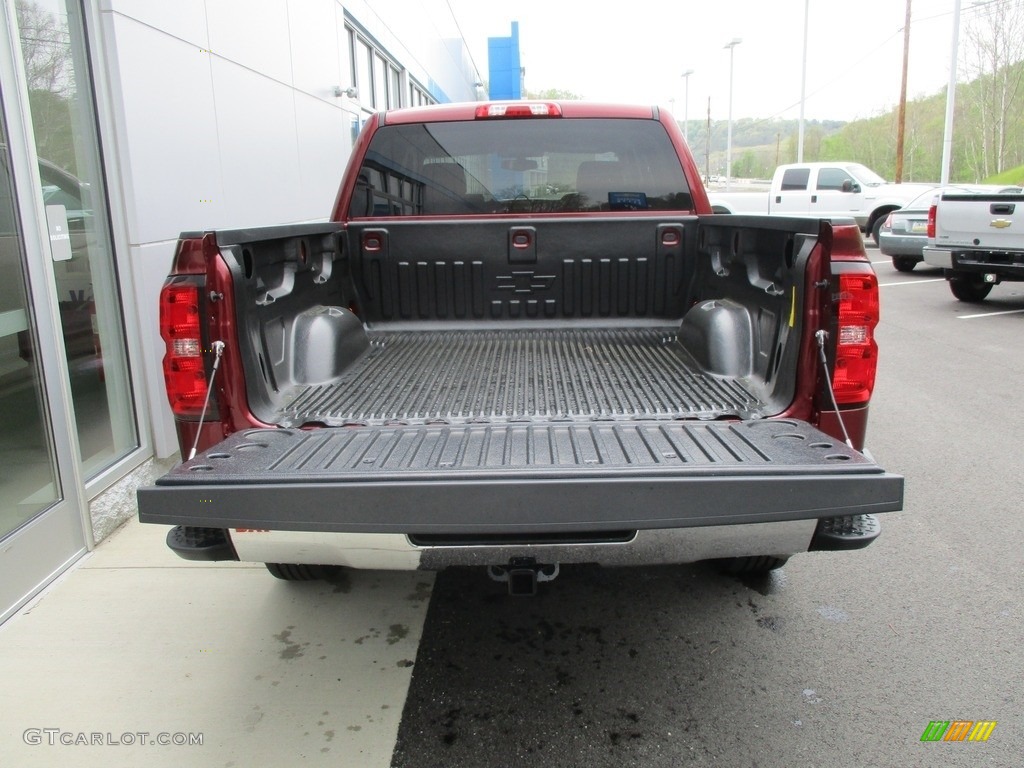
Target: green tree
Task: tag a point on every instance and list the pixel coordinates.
(553, 94)
(993, 49)
(46, 50)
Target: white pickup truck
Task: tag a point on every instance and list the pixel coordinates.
(978, 240)
(824, 190)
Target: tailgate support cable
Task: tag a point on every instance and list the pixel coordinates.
(218, 349)
(821, 336)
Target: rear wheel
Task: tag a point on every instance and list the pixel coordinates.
(970, 288)
(753, 565)
(904, 263)
(299, 571)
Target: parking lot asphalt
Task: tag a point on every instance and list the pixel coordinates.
(838, 659)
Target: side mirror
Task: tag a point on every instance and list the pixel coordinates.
(850, 186)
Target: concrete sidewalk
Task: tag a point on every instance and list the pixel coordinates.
(134, 647)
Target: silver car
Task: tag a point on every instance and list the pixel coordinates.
(904, 234)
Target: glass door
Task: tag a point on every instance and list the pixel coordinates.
(41, 522)
(29, 481)
(53, 47)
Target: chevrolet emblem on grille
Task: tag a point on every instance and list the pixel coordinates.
(1000, 223)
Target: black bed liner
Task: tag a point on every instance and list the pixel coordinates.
(501, 478)
(463, 376)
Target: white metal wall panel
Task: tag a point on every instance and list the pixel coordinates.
(226, 117)
(168, 115)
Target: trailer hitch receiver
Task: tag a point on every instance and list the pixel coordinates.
(522, 575)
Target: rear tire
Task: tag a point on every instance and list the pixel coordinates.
(876, 227)
(754, 565)
(904, 263)
(969, 287)
(298, 571)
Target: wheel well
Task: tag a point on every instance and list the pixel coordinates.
(719, 209)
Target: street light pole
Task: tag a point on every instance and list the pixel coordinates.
(731, 45)
(803, 89)
(686, 105)
(947, 130)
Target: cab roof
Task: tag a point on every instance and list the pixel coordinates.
(441, 113)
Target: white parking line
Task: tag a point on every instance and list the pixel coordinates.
(883, 261)
(991, 314)
(914, 282)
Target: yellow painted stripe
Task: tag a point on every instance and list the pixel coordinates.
(982, 730)
(792, 309)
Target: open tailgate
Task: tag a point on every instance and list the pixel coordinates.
(520, 478)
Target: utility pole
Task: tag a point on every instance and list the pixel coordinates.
(902, 119)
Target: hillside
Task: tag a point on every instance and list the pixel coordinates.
(758, 145)
(1012, 176)
(988, 137)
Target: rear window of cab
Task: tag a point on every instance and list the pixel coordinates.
(520, 166)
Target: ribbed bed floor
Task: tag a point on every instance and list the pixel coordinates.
(500, 376)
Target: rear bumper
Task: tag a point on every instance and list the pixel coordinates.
(1008, 265)
(389, 551)
(901, 245)
(649, 547)
(938, 257)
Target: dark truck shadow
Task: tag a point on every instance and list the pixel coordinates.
(603, 667)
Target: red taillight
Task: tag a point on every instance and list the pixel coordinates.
(856, 350)
(184, 370)
(518, 109)
(931, 221)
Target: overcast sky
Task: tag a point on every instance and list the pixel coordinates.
(636, 51)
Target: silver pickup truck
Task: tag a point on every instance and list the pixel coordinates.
(978, 240)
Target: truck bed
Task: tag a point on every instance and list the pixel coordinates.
(535, 375)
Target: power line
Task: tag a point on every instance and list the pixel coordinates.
(465, 43)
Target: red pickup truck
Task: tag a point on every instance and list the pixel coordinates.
(521, 340)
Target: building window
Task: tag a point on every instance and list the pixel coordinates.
(419, 96)
(362, 67)
(379, 77)
(395, 89)
(380, 82)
